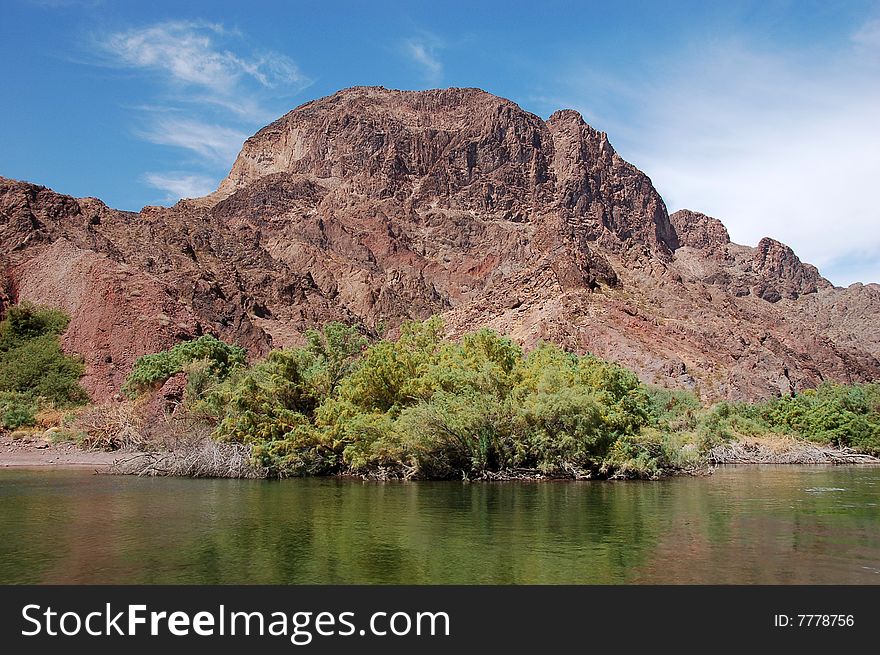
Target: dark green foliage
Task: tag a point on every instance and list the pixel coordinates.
(17, 410)
(846, 416)
(428, 406)
(150, 371)
(38, 366)
(27, 321)
(32, 364)
(425, 405)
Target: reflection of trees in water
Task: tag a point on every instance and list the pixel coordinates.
(743, 526)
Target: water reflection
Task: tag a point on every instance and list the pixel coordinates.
(749, 525)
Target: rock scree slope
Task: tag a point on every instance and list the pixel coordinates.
(377, 206)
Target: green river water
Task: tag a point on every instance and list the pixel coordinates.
(774, 525)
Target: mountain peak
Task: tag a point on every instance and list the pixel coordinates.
(460, 149)
(374, 206)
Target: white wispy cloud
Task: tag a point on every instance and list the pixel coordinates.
(191, 53)
(181, 185)
(215, 143)
(208, 92)
(781, 143)
(423, 51)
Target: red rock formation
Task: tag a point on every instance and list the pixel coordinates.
(376, 206)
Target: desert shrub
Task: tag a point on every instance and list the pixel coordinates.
(428, 406)
(278, 389)
(673, 409)
(570, 410)
(678, 450)
(394, 374)
(108, 427)
(200, 380)
(150, 371)
(298, 451)
(32, 362)
(842, 415)
(457, 433)
(272, 404)
(562, 427)
(39, 367)
(27, 321)
(17, 410)
(368, 442)
(333, 353)
(631, 457)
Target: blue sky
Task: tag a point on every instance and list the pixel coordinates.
(764, 114)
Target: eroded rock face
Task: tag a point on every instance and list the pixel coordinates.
(781, 274)
(377, 206)
(771, 271)
(699, 231)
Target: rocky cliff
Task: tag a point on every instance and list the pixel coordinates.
(375, 206)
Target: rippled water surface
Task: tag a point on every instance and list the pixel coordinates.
(740, 525)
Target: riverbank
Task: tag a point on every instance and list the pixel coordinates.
(210, 459)
(784, 450)
(37, 452)
(418, 406)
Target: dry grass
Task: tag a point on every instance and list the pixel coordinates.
(783, 449)
(199, 458)
(173, 443)
(110, 427)
(49, 418)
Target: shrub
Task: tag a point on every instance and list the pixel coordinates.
(843, 415)
(454, 434)
(426, 405)
(108, 427)
(39, 367)
(150, 371)
(17, 410)
(432, 407)
(26, 321)
(334, 354)
(31, 360)
(394, 374)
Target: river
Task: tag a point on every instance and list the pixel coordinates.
(742, 525)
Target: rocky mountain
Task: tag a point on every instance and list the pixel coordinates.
(375, 206)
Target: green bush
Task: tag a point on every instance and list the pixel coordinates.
(453, 434)
(32, 363)
(150, 371)
(842, 415)
(17, 410)
(427, 405)
(27, 321)
(39, 367)
(433, 407)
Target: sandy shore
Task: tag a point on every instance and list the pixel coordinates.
(38, 453)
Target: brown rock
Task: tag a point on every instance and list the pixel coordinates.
(697, 230)
(377, 206)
